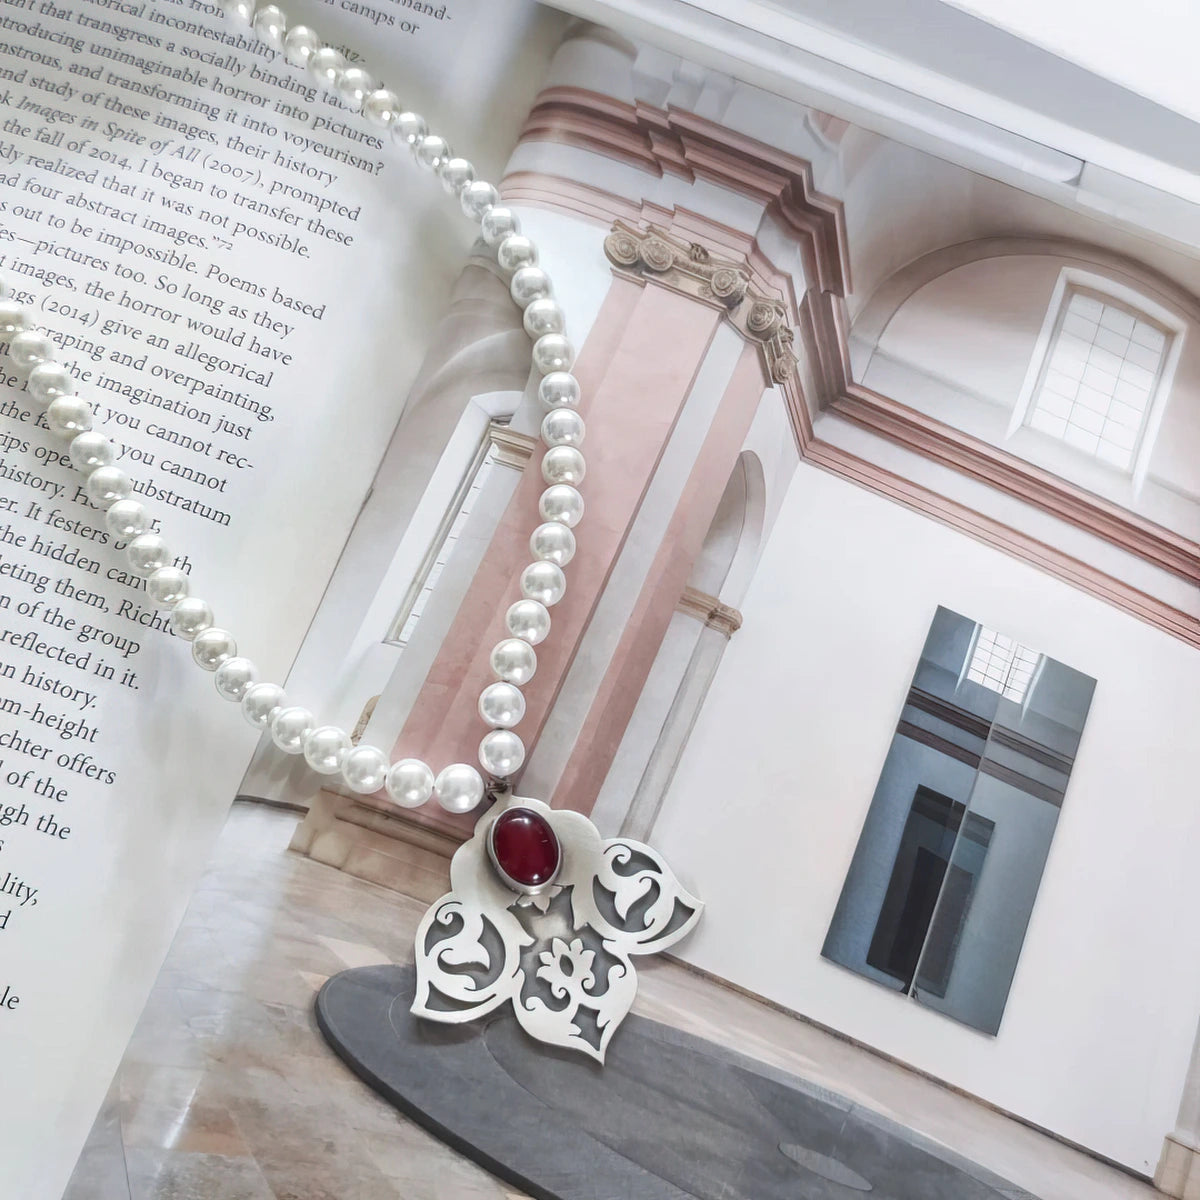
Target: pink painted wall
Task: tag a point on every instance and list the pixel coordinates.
(636, 369)
(626, 676)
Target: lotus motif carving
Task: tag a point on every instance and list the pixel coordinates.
(562, 957)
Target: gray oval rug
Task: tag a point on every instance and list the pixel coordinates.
(669, 1117)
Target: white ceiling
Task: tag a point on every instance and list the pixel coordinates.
(1148, 47)
(946, 81)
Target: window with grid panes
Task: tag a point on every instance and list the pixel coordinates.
(1002, 664)
(1098, 379)
(435, 562)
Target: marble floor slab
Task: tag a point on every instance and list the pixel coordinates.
(669, 1116)
(227, 1090)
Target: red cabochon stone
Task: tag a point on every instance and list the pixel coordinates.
(525, 847)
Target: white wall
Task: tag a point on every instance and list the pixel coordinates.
(1096, 1038)
(959, 347)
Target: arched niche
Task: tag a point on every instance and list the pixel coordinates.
(962, 334)
(724, 534)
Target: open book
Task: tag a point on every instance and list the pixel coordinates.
(846, 360)
(242, 277)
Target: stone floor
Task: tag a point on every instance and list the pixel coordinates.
(228, 1092)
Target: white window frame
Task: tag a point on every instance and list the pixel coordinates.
(416, 586)
(1109, 291)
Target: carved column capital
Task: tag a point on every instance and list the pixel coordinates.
(688, 267)
(710, 610)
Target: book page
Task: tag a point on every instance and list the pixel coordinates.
(241, 274)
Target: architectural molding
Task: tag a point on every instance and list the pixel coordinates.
(671, 141)
(691, 268)
(512, 449)
(663, 142)
(1003, 537)
(970, 456)
(377, 842)
(710, 610)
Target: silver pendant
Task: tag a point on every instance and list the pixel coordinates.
(545, 914)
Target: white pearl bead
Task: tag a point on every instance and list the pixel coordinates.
(559, 389)
(477, 197)
(501, 753)
(234, 677)
(325, 65)
(515, 252)
(14, 318)
(542, 317)
(68, 417)
(126, 519)
(242, 11)
(456, 174)
(213, 647)
(563, 427)
(29, 348)
(501, 705)
(148, 553)
(106, 485)
(354, 85)
(270, 23)
(364, 769)
(433, 151)
(90, 450)
(49, 380)
(458, 787)
(166, 587)
(561, 502)
(381, 108)
(554, 542)
(409, 128)
(325, 749)
(289, 728)
(563, 464)
(497, 224)
(299, 43)
(513, 660)
(409, 783)
(530, 284)
(544, 582)
(553, 353)
(528, 620)
(261, 701)
(190, 617)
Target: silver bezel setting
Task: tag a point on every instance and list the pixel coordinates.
(523, 889)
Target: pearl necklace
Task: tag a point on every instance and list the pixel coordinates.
(410, 783)
(620, 898)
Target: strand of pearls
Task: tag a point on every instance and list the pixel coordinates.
(327, 748)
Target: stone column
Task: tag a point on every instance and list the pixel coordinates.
(1178, 1171)
(634, 388)
(720, 623)
(673, 369)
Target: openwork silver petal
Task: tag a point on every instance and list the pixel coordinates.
(563, 957)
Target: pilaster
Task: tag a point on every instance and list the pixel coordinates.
(1178, 1171)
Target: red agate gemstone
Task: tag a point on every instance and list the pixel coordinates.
(525, 848)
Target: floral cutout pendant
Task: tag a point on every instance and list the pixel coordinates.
(545, 914)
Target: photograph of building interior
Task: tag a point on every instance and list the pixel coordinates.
(882, 632)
